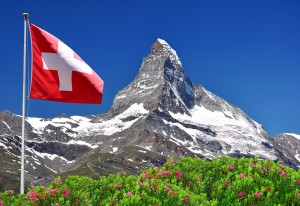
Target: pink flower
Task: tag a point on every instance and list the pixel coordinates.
(147, 176)
(58, 180)
(122, 173)
(260, 166)
(283, 173)
(33, 195)
(170, 162)
(252, 165)
(178, 174)
(140, 184)
(185, 200)
(165, 173)
(241, 194)
(297, 182)
(230, 167)
(128, 194)
(171, 192)
(65, 192)
(52, 191)
(257, 194)
(118, 186)
(242, 175)
(10, 192)
(0, 203)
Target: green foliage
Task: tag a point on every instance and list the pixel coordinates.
(192, 181)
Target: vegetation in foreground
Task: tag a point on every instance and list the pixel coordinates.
(191, 181)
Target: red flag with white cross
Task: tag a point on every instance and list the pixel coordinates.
(59, 74)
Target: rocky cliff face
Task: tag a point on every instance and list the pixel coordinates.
(161, 114)
(290, 143)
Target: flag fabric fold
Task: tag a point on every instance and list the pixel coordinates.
(59, 74)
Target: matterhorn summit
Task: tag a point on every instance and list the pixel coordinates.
(161, 114)
(160, 84)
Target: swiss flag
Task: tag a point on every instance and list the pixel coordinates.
(59, 74)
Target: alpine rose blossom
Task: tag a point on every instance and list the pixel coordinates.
(147, 176)
(257, 194)
(297, 182)
(33, 195)
(185, 200)
(241, 194)
(0, 203)
(58, 180)
(65, 192)
(230, 167)
(283, 173)
(241, 176)
(118, 186)
(52, 191)
(128, 194)
(165, 173)
(171, 192)
(178, 174)
(140, 184)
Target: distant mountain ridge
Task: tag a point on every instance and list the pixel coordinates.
(159, 115)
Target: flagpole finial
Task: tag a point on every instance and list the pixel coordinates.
(25, 15)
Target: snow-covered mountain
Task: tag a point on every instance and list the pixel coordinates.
(160, 114)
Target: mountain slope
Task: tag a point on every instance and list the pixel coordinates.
(290, 142)
(160, 114)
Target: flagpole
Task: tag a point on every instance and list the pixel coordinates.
(25, 15)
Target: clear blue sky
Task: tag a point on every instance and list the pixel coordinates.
(247, 52)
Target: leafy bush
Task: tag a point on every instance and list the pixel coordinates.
(192, 181)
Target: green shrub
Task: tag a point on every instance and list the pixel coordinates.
(192, 181)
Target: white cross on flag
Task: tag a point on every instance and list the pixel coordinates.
(59, 74)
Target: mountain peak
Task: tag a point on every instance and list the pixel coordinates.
(161, 47)
(160, 83)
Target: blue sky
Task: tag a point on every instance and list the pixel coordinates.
(247, 52)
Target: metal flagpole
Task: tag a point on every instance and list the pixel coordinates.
(25, 15)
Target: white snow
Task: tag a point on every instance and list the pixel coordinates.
(11, 172)
(114, 149)
(6, 125)
(173, 55)
(113, 125)
(86, 127)
(177, 95)
(121, 96)
(50, 169)
(80, 142)
(52, 157)
(297, 156)
(145, 147)
(200, 115)
(3, 145)
(294, 135)
(229, 131)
